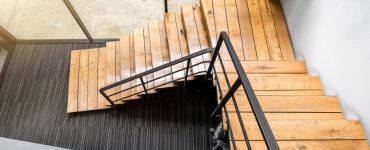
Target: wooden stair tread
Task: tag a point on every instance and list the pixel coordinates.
(309, 145)
(310, 129)
(288, 103)
(192, 36)
(156, 49)
(290, 116)
(174, 43)
(260, 67)
(140, 62)
(276, 82)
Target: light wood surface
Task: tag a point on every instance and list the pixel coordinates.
(156, 49)
(288, 103)
(263, 67)
(310, 129)
(140, 62)
(192, 36)
(73, 81)
(83, 80)
(92, 97)
(165, 52)
(174, 43)
(310, 145)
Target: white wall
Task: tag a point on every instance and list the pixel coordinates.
(333, 37)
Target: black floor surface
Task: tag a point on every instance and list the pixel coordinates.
(33, 103)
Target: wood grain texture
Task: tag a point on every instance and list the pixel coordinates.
(102, 63)
(288, 129)
(234, 27)
(83, 81)
(209, 20)
(221, 25)
(246, 30)
(202, 33)
(140, 62)
(270, 32)
(288, 103)
(73, 81)
(148, 58)
(282, 30)
(310, 145)
(173, 43)
(277, 82)
(156, 49)
(92, 96)
(266, 67)
(192, 36)
(295, 92)
(111, 67)
(258, 30)
(165, 52)
(125, 64)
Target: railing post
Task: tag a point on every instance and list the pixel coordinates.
(214, 57)
(186, 72)
(107, 97)
(142, 83)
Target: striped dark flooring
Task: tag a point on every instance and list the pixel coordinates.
(33, 103)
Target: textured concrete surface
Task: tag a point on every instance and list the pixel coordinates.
(40, 19)
(10, 144)
(110, 19)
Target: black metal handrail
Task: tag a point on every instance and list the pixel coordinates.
(242, 80)
(143, 83)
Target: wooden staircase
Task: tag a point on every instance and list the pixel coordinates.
(298, 112)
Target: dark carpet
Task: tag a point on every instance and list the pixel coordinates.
(33, 103)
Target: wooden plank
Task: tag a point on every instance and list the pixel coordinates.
(182, 38)
(111, 67)
(83, 80)
(202, 33)
(276, 82)
(209, 20)
(221, 25)
(288, 103)
(156, 49)
(296, 92)
(312, 145)
(294, 116)
(92, 96)
(173, 43)
(165, 51)
(132, 64)
(192, 36)
(73, 81)
(270, 67)
(148, 59)
(140, 62)
(282, 30)
(118, 68)
(246, 30)
(270, 32)
(293, 129)
(125, 64)
(258, 31)
(234, 28)
(102, 63)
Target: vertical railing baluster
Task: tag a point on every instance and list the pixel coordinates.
(142, 83)
(186, 73)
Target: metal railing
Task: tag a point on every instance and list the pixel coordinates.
(241, 81)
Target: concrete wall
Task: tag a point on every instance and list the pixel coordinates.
(40, 19)
(333, 37)
(10, 144)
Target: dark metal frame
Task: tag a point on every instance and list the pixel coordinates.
(242, 80)
(9, 45)
(78, 20)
